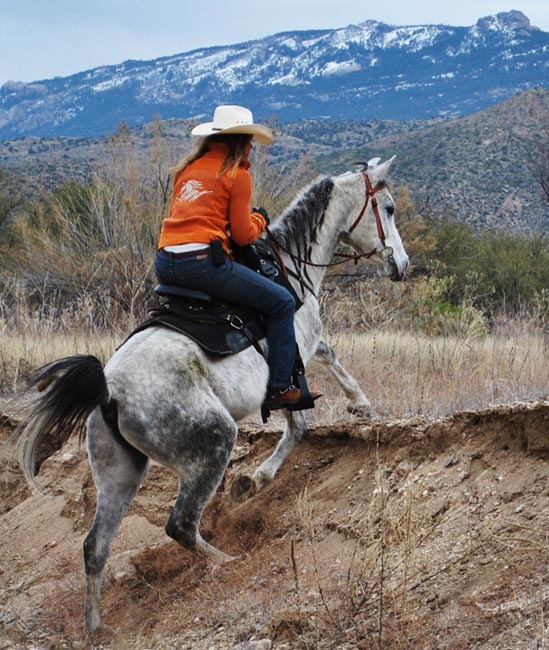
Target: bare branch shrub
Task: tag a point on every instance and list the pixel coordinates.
(95, 244)
(276, 185)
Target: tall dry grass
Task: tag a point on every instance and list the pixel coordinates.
(407, 373)
(412, 358)
(403, 371)
(33, 333)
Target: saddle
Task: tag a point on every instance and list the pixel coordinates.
(220, 328)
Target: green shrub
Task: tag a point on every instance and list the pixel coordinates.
(430, 309)
(495, 269)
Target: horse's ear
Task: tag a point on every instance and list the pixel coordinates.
(379, 172)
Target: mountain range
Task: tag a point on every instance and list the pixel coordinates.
(481, 168)
(360, 72)
(478, 167)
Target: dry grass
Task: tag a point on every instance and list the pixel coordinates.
(39, 339)
(39, 329)
(21, 353)
(408, 373)
(403, 373)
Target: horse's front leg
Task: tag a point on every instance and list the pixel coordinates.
(244, 485)
(358, 402)
(296, 428)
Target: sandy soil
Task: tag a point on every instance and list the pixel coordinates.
(405, 534)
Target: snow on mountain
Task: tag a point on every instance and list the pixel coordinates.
(364, 71)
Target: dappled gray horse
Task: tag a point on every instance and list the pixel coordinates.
(161, 397)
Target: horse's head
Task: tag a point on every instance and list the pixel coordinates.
(372, 231)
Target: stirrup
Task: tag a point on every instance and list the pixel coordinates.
(304, 400)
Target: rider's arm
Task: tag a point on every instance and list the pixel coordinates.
(245, 225)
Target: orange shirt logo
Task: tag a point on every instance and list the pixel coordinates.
(191, 191)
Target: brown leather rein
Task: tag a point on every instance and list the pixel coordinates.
(369, 195)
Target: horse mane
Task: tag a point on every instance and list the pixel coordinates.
(299, 224)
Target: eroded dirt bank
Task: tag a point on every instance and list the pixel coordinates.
(405, 534)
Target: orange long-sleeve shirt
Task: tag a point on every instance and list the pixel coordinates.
(206, 206)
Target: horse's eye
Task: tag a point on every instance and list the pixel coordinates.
(390, 209)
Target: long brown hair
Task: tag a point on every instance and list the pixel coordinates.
(236, 153)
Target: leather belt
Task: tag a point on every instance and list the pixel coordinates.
(200, 254)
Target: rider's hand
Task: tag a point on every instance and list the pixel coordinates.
(263, 213)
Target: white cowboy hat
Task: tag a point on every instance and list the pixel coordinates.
(234, 119)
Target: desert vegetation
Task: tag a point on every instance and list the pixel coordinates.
(469, 327)
(374, 540)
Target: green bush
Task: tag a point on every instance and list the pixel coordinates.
(495, 269)
(430, 309)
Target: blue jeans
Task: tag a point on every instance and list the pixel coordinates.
(238, 284)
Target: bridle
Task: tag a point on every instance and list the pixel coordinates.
(386, 252)
(371, 192)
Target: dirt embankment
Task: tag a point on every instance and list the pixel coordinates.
(406, 534)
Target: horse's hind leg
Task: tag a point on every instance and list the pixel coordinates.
(358, 402)
(202, 468)
(118, 471)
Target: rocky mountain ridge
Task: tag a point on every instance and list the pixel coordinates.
(367, 71)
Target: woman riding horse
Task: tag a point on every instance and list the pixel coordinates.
(211, 200)
(161, 398)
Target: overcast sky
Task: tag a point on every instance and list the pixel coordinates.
(40, 39)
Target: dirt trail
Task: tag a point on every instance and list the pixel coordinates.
(405, 534)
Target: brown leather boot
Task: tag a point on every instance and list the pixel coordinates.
(279, 398)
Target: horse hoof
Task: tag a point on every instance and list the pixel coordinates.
(363, 411)
(241, 488)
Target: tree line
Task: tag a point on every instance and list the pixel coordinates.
(97, 239)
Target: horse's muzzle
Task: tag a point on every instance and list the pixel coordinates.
(396, 274)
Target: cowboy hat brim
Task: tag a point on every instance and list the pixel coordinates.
(262, 133)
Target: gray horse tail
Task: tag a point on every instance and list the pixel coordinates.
(72, 388)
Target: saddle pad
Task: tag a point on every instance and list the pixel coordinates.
(219, 329)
